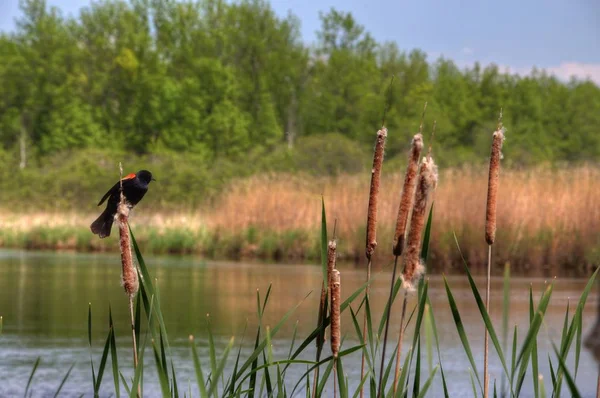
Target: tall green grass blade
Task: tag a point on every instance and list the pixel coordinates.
(505, 316)
(138, 319)
(403, 380)
(461, 331)
(513, 363)
(359, 336)
(198, 369)
(219, 370)
(237, 362)
(417, 379)
(175, 390)
(323, 241)
(427, 384)
(341, 379)
(113, 354)
(428, 338)
(388, 370)
(33, 370)
(437, 346)
(570, 382)
(473, 383)
(90, 344)
(267, 359)
(103, 361)
(64, 380)
(552, 375)
(325, 377)
(125, 385)
(163, 376)
(361, 385)
(484, 314)
(425, 244)
(534, 351)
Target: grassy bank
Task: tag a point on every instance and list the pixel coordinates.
(548, 220)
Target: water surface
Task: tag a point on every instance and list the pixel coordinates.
(44, 303)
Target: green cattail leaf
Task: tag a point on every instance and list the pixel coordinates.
(425, 245)
(219, 370)
(326, 373)
(113, 354)
(323, 241)
(461, 331)
(552, 374)
(437, 346)
(570, 382)
(513, 363)
(90, 344)
(35, 366)
(198, 368)
(163, 376)
(341, 379)
(125, 385)
(403, 380)
(103, 361)
(473, 383)
(64, 380)
(427, 384)
(388, 370)
(417, 379)
(484, 314)
(175, 390)
(534, 351)
(361, 385)
(382, 323)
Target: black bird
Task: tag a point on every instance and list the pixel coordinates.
(135, 186)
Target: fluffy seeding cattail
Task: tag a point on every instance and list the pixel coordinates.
(408, 189)
(413, 268)
(129, 276)
(335, 289)
(374, 193)
(490, 214)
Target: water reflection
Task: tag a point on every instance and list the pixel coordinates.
(44, 302)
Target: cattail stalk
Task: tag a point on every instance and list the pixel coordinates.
(372, 226)
(374, 193)
(408, 193)
(400, 339)
(490, 232)
(331, 260)
(129, 277)
(335, 288)
(413, 268)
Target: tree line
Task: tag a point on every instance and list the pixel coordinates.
(219, 79)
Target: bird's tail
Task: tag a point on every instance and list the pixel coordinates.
(103, 224)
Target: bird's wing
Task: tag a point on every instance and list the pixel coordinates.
(116, 188)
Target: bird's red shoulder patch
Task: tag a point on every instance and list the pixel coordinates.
(129, 176)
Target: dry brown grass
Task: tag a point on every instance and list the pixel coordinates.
(546, 218)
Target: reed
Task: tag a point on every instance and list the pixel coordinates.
(129, 276)
(371, 243)
(406, 203)
(413, 269)
(490, 231)
(335, 287)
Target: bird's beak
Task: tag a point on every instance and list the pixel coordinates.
(153, 179)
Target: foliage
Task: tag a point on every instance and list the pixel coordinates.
(223, 79)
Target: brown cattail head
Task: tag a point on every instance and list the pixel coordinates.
(413, 268)
(408, 192)
(374, 192)
(493, 178)
(331, 258)
(335, 312)
(129, 277)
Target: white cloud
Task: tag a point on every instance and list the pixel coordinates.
(467, 51)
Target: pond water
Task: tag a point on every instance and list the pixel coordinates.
(44, 304)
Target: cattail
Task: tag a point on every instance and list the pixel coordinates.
(331, 257)
(413, 268)
(374, 193)
(408, 189)
(335, 312)
(490, 214)
(129, 276)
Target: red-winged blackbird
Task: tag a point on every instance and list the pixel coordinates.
(135, 187)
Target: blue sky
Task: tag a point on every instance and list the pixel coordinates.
(560, 36)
